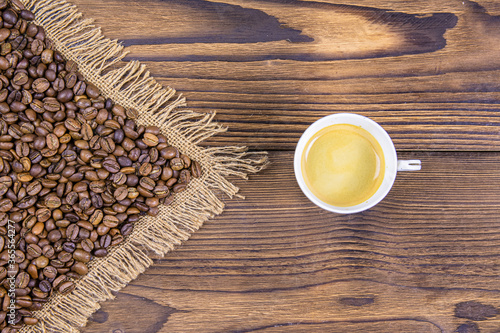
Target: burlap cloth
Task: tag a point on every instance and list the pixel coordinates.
(99, 59)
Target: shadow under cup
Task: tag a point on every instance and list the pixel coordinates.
(389, 152)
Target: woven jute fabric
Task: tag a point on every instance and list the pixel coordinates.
(100, 60)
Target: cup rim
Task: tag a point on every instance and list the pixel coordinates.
(380, 135)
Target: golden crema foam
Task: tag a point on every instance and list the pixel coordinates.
(343, 165)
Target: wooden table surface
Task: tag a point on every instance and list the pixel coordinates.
(426, 259)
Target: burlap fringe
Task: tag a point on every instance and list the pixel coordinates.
(99, 60)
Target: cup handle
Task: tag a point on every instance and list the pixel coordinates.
(409, 165)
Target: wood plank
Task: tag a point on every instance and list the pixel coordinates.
(426, 70)
(426, 259)
(338, 31)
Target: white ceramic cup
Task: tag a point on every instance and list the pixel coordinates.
(392, 164)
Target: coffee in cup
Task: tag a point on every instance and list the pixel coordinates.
(347, 163)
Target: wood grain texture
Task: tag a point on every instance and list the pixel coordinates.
(427, 71)
(424, 260)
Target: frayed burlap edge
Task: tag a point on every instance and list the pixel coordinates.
(99, 60)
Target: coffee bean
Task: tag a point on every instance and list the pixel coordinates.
(186, 160)
(22, 280)
(72, 232)
(66, 138)
(10, 16)
(100, 253)
(79, 88)
(153, 211)
(111, 165)
(121, 193)
(83, 234)
(52, 201)
(45, 286)
(171, 182)
(39, 294)
(105, 241)
(127, 229)
(141, 206)
(161, 191)
(54, 235)
(113, 124)
(3, 189)
(34, 250)
(121, 207)
(98, 186)
(6, 205)
(71, 198)
(154, 155)
(19, 79)
(4, 34)
(41, 262)
(27, 202)
(69, 247)
(70, 79)
(17, 166)
(96, 217)
(92, 91)
(156, 172)
(108, 145)
(50, 272)
(24, 177)
(85, 204)
(71, 216)
(65, 95)
(97, 200)
(47, 56)
(48, 183)
(117, 239)
(52, 141)
(29, 222)
(51, 104)
(176, 164)
(80, 268)
(84, 145)
(66, 287)
(110, 221)
(147, 183)
(124, 161)
(127, 144)
(87, 132)
(134, 154)
(152, 202)
(184, 176)
(166, 174)
(64, 256)
(26, 163)
(132, 113)
(50, 74)
(87, 244)
(81, 255)
(30, 320)
(80, 187)
(133, 193)
(25, 303)
(91, 176)
(72, 125)
(179, 188)
(169, 153)
(145, 169)
(146, 193)
(150, 139)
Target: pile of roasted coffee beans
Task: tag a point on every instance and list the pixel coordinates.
(76, 171)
